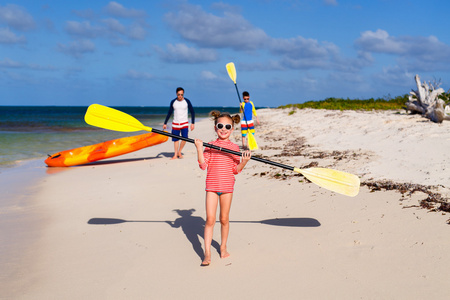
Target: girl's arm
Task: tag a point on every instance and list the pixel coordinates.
(199, 146)
(245, 158)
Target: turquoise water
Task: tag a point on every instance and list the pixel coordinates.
(32, 132)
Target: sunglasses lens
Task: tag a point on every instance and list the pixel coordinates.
(228, 126)
(219, 126)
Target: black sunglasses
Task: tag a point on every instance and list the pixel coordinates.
(227, 126)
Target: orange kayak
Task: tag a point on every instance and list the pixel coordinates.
(87, 154)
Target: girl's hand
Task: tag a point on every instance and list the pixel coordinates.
(198, 143)
(246, 155)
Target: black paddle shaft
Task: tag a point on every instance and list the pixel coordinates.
(223, 149)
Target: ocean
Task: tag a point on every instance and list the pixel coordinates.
(33, 132)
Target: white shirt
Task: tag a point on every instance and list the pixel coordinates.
(180, 111)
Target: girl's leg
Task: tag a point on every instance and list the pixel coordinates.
(225, 206)
(211, 208)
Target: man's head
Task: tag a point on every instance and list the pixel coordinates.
(180, 93)
(246, 96)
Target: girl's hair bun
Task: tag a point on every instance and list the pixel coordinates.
(215, 115)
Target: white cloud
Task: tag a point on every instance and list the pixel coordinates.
(208, 30)
(8, 63)
(77, 48)
(117, 10)
(118, 42)
(265, 66)
(108, 28)
(136, 32)
(394, 76)
(114, 25)
(136, 75)
(413, 52)
(225, 7)
(84, 29)
(85, 13)
(379, 41)
(299, 48)
(9, 37)
(302, 53)
(16, 17)
(181, 53)
(231, 30)
(330, 2)
(208, 75)
(11, 64)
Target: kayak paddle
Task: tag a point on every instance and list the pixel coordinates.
(112, 119)
(252, 145)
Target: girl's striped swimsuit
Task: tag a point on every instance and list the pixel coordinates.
(221, 167)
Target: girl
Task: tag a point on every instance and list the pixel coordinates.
(220, 179)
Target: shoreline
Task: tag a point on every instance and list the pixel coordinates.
(21, 221)
(31, 132)
(108, 226)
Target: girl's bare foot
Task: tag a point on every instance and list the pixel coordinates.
(223, 252)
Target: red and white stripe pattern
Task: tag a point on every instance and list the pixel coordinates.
(245, 128)
(179, 126)
(221, 167)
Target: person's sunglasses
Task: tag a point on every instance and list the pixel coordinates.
(227, 126)
(180, 94)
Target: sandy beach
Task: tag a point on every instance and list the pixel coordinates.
(131, 227)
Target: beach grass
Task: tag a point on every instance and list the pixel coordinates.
(386, 103)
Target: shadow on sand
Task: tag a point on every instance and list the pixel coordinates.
(193, 226)
(115, 161)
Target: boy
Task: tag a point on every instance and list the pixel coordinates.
(248, 110)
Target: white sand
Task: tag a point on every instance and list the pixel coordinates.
(326, 246)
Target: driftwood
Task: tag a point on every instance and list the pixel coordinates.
(425, 101)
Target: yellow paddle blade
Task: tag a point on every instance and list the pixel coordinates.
(252, 145)
(231, 71)
(333, 180)
(112, 119)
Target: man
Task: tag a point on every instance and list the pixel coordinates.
(248, 110)
(180, 123)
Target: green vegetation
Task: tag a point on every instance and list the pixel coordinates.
(386, 103)
(446, 97)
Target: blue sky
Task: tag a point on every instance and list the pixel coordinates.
(286, 51)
